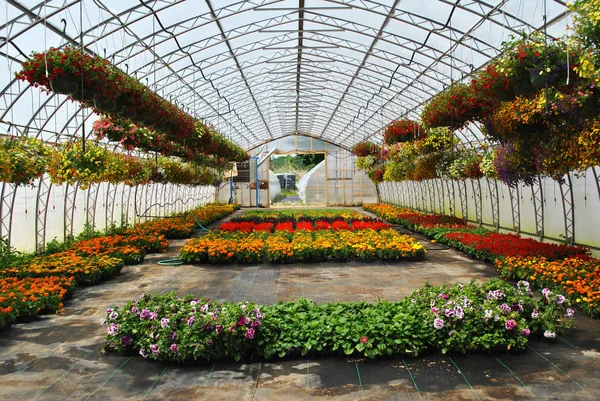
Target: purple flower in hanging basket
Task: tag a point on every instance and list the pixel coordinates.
(174, 348)
(249, 334)
(525, 332)
(126, 341)
(154, 349)
(438, 323)
(510, 324)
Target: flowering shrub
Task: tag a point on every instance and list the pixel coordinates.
(23, 160)
(365, 148)
(28, 297)
(165, 327)
(578, 277)
(402, 131)
(464, 318)
(289, 245)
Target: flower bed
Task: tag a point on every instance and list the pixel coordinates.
(300, 215)
(562, 267)
(287, 246)
(22, 298)
(323, 224)
(87, 270)
(474, 317)
(578, 277)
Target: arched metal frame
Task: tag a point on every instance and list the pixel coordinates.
(267, 69)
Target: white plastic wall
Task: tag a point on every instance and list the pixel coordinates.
(152, 200)
(586, 227)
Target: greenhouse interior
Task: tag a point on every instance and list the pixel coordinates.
(299, 199)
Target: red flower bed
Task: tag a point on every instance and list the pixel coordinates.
(500, 245)
(305, 225)
(249, 226)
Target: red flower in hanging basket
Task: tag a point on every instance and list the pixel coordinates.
(365, 148)
(402, 131)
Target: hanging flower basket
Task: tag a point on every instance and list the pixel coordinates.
(402, 131)
(65, 84)
(524, 87)
(505, 95)
(537, 81)
(85, 94)
(104, 104)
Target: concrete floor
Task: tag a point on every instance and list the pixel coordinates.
(59, 358)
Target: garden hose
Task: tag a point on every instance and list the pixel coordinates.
(177, 261)
(170, 262)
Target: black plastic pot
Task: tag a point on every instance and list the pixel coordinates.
(104, 104)
(65, 84)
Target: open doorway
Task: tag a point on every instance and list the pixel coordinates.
(297, 174)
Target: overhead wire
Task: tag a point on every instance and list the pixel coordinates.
(389, 85)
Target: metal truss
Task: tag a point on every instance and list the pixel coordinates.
(537, 197)
(462, 195)
(439, 183)
(111, 195)
(515, 206)
(568, 203)
(476, 184)
(451, 197)
(492, 185)
(41, 212)
(7, 203)
(91, 203)
(431, 191)
(69, 209)
(229, 75)
(597, 178)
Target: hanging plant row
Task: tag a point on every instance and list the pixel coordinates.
(96, 83)
(30, 158)
(131, 136)
(402, 131)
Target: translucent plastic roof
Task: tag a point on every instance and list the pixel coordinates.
(263, 69)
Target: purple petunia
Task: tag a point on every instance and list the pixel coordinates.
(126, 341)
(496, 294)
(505, 308)
(525, 332)
(154, 349)
(145, 314)
(438, 323)
(172, 335)
(218, 328)
(545, 292)
(143, 353)
(113, 315)
(549, 334)
(242, 320)
(174, 348)
(255, 324)
(153, 315)
(135, 310)
(449, 313)
(560, 299)
(164, 322)
(510, 324)
(113, 329)
(435, 310)
(190, 321)
(570, 312)
(535, 314)
(459, 313)
(249, 334)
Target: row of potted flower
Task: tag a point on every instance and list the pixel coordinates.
(39, 284)
(27, 159)
(275, 216)
(565, 268)
(291, 226)
(288, 246)
(488, 317)
(23, 298)
(95, 82)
